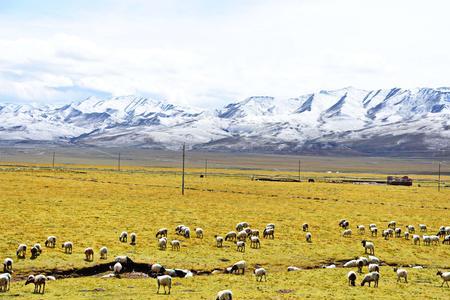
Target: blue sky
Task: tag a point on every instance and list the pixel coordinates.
(208, 53)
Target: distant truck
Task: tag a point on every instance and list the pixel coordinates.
(405, 180)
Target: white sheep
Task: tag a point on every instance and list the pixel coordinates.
(242, 235)
(163, 231)
(368, 246)
(5, 282)
(240, 265)
(308, 237)
(392, 224)
(89, 253)
(51, 241)
(385, 234)
(411, 228)
(164, 280)
(224, 295)
(268, 233)
(446, 240)
(406, 234)
(434, 239)
(398, 232)
(186, 232)
(123, 237)
(374, 231)
(219, 241)
(255, 242)
(199, 232)
(401, 273)
(21, 251)
(68, 246)
(240, 246)
(162, 243)
(293, 269)
(158, 269)
(373, 259)
(103, 253)
(416, 239)
(351, 263)
(231, 236)
(39, 282)
(374, 268)
(305, 227)
(7, 265)
(254, 232)
(347, 233)
(361, 229)
(240, 226)
(426, 240)
(445, 277)
(371, 277)
(117, 268)
(133, 237)
(351, 278)
(260, 273)
(423, 227)
(175, 245)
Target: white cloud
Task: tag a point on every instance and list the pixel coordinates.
(209, 54)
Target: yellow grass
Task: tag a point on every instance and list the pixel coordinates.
(91, 207)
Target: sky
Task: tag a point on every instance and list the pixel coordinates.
(208, 53)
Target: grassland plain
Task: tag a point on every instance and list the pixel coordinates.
(91, 206)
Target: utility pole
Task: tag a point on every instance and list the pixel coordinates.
(182, 176)
(206, 167)
(299, 170)
(53, 161)
(439, 177)
(118, 163)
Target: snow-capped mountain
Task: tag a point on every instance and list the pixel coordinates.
(348, 120)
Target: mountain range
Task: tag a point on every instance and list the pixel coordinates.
(346, 121)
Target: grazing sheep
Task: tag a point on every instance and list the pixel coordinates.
(305, 227)
(224, 295)
(374, 231)
(401, 273)
(260, 273)
(89, 253)
(351, 278)
(406, 235)
(270, 225)
(240, 265)
(392, 224)
(445, 276)
(21, 251)
(398, 232)
(411, 228)
(175, 245)
(308, 237)
(248, 231)
(390, 232)
(240, 246)
(374, 268)
(242, 235)
(68, 246)
(423, 227)
(372, 225)
(255, 243)
(434, 239)
(7, 265)
(344, 223)
(426, 240)
(254, 232)
(416, 239)
(293, 269)
(162, 243)
(351, 263)
(446, 240)
(51, 241)
(219, 241)
(5, 282)
(186, 232)
(163, 231)
(133, 237)
(368, 246)
(103, 253)
(199, 232)
(360, 265)
(34, 252)
(123, 259)
(385, 234)
(117, 268)
(347, 233)
(157, 269)
(240, 226)
(268, 233)
(123, 237)
(364, 260)
(361, 229)
(231, 236)
(164, 280)
(373, 276)
(179, 229)
(39, 282)
(373, 259)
